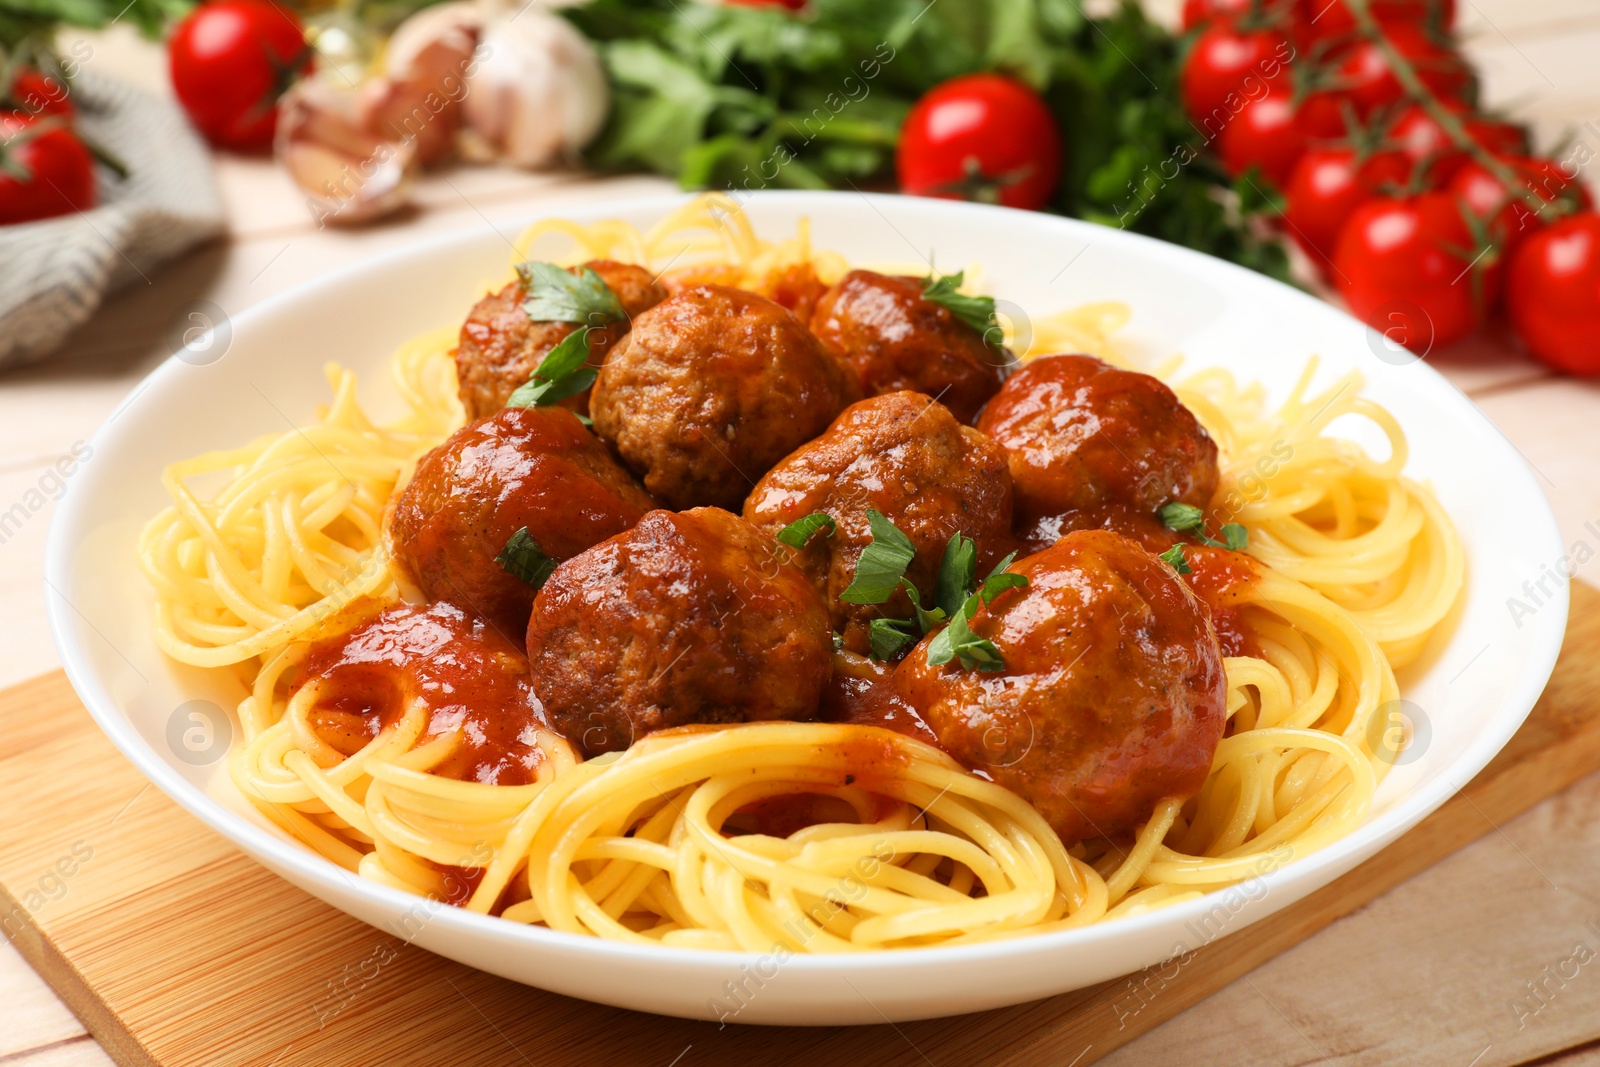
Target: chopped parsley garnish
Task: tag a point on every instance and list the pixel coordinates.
(560, 374)
(882, 564)
(958, 594)
(975, 311)
(889, 638)
(557, 295)
(1186, 518)
(1173, 557)
(797, 533)
(523, 558)
(958, 570)
(958, 642)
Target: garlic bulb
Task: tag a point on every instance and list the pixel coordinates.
(538, 94)
(418, 96)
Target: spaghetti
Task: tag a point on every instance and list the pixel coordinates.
(1358, 566)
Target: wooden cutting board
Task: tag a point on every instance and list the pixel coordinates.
(174, 949)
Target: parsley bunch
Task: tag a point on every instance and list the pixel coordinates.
(744, 98)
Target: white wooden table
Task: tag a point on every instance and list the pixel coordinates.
(1432, 973)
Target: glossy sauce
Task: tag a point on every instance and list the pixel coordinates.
(1224, 581)
(470, 678)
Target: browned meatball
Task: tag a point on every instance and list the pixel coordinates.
(904, 455)
(1091, 446)
(896, 339)
(710, 389)
(1112, 696)
(500, 346)
(689, 617)
(533, 467)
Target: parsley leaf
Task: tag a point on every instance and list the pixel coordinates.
(1186, 518)
(560, 374)
(999, 583)
(957, 571)
(958, 642)
(523, 558)
(1173, 557)
(797, 533)
(882, 564)
(926, 620)
(1182, 517)
(890, 637)
(557, 295)
(976, 311)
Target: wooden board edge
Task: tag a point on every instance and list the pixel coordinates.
(35, 946)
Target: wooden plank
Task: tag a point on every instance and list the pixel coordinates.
(175, 950)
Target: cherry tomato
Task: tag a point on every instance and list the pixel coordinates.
(1327, 185)
(1263, 134)
(1408, 266)
(981, 137)
(1361, 74)
(44, 169)
(1225, 61)
(39, 94)
(1328, 20)
(1419, 135)
(1553, 294)
(1511, 218)
(230, 61)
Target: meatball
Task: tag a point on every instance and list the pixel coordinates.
(710, 389)
(689, 617)
(896, 339)
(533, 467)
(1092, 446)
(500, 346)
(1112, 695)
(904, 455)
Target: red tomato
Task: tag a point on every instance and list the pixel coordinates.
(1327, 185)
(1229, 61)
(1361, 74)
(39, 94)
(981, 137)
(231, 60)
(1512, 218)
(1421, 137)
(1327, 20)
(44, 169)
(1263, 134)
(1553, 294)
(1409, 267)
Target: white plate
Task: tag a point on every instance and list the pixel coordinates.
(1473, 692)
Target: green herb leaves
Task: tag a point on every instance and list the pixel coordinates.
(958, 642)
(957, 595)
(1186, 518)
(523, 558)
(882, 564)
(975, 311)
(557, 295)
(1173, 557)
(797, 533)
(559, 375)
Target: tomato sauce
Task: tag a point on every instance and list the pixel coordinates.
(470, 678)
(1224, 580)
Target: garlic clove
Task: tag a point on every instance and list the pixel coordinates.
(348, 174)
